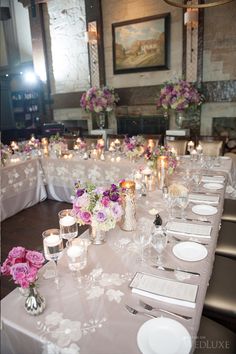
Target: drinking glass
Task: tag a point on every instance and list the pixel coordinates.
(142, 236)
(77, 258)
(197, 178)
(182, 202)
(53, 248)
(159, 242)
(68, 224)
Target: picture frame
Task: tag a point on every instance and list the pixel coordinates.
(141, 44)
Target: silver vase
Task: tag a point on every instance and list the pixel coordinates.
(97, 237)
(180, 117)
(34, 303)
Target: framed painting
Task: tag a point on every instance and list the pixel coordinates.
(141, 44)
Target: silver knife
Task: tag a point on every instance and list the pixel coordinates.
(173, 270)
(188, 219)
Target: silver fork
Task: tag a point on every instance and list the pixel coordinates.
(188, 239)
(136, 312)
(150, 308)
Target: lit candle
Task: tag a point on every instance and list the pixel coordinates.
(117, 142)
(146, 171)
(100, 143)
(74, 251)
(14, 146)
(67, 220)
(190, 145)
(174, 152)
(150, 144)
(128, 185)
(128, 222)
(112, 159)
(118, 159)
(199, 149)
(52, 240)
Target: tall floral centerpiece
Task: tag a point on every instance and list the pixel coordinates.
(181, 97)
(23, 266)
(98, 207)
(99, 100)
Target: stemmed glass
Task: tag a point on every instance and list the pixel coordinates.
(142, 236)
(182, 202)
(68, 224)
(77, 258)
(159, 242)
(53, 248)
(197, 178)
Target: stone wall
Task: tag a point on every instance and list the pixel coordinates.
(69, 53)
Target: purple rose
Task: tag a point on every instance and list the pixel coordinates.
(117, 211)
(101, 216)
(36, 259)
(6, 267)
(85, 216)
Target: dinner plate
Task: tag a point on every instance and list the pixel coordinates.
(163, 336)
(190, 251)
(203, 209)
(213, 186)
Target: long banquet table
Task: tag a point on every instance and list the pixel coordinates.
(22, 186)
(93, 319)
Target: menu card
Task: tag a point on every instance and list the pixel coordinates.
(196, 230)
(215, 179)
(204, 198)
(167, 290)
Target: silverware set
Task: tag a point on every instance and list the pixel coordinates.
(150, 308)
(188, 239)
(168, 269)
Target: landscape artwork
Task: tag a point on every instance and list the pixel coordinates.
(141, 45)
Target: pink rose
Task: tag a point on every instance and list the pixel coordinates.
(105, 201)
(17, 255)
(85, 216)
(35, 258)
(23, 274)
(6, 267)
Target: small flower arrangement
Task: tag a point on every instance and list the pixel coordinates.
(99, 207)
(99, 99)
(23, 265)
(5, 154)
(158, 151)
(180, 96)
(134, 146)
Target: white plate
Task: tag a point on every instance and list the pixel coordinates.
(203, 209)
(163, 336)
(225, 157)
(213, 186)
(189, 251)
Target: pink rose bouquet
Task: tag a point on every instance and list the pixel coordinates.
(179, 96)
(99, 207)
(134, 146)
(23, 265)
(99, 99)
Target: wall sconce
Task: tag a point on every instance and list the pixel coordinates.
(191, 21)
(90, 37)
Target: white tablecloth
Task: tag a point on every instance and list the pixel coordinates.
(21, 187)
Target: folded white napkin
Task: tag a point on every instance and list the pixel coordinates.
(216, 179)
(166, 290)
(204, 198)
(189, 229)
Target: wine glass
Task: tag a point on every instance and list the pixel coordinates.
(77, 258)
(68, 224)
(53, 248)
(197, 178)
(182, 202)
(142, 236)
(159, 242)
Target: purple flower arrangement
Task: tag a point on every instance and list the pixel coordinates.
(134, 146)
(23, 265)
(158, 151)
(99, 207)
(99, 99)
(179, 96)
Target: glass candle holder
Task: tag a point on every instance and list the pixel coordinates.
(68, 224)
(162, 172)
(128, 221)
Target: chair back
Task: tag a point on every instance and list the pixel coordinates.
(178, 143)
(212, 145)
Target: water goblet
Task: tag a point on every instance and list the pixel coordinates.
(197, 178)
(182, 202)
(159, 242)
(77, 259)
(68, 224)
(53, 248)
(142, 236)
